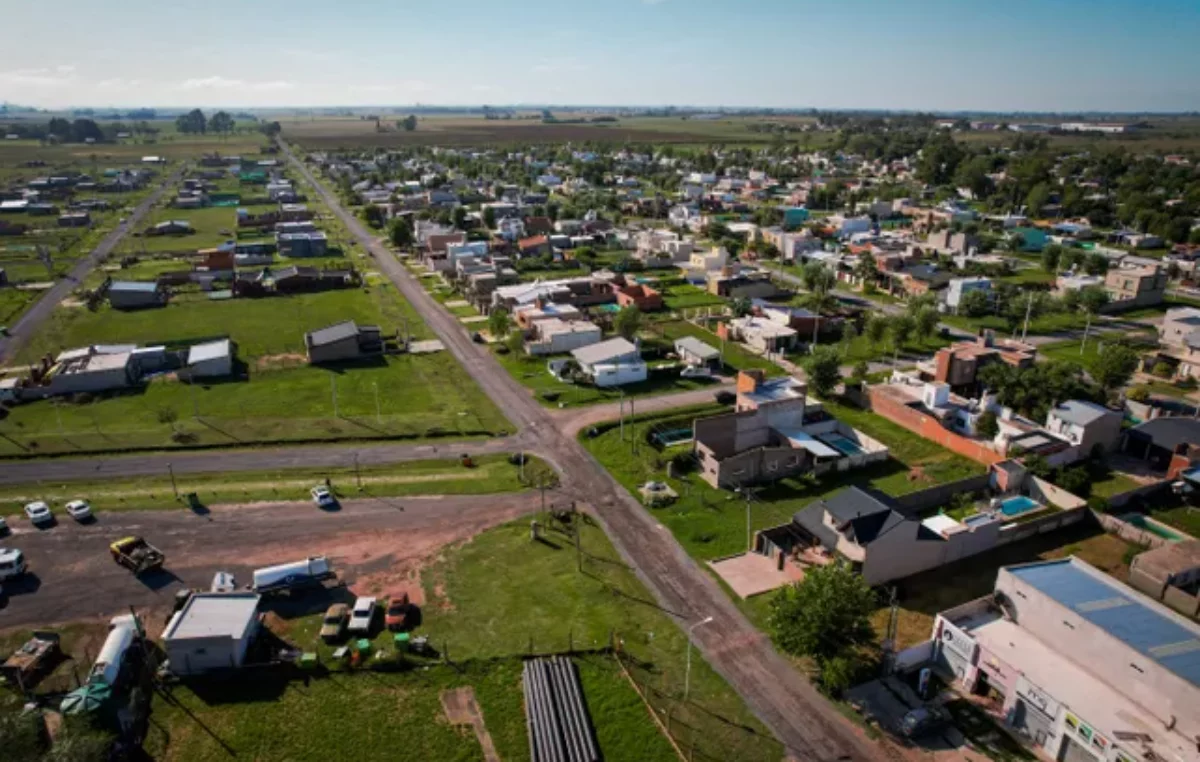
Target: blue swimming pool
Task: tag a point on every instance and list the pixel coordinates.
(842, 444)
(1015, 506)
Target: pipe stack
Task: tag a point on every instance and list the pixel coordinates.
(555, 714)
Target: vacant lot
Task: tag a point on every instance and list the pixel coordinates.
(277, 397)
(476, 617)
(711, 523)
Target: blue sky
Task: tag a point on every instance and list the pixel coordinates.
(914, 54)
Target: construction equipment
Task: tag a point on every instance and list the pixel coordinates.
(137, 555)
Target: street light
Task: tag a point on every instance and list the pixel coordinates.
(749, 493)
(687, 675)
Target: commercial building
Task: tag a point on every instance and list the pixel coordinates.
(213, 631)
(1080, 666)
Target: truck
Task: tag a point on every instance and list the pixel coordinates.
(297, 575)
(137, 555)
(29, 661)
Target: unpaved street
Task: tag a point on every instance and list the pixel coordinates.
(374, 544)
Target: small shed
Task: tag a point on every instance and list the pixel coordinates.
(695, 352)
(129, 294)
(210, 359)
(212, 631)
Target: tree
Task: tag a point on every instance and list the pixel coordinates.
(902, 330)
(515, 342)
(193, 122)
(1038, 466)
(1051, 256)
(1096, 264)
(849, 336)
(1114, 366)
(628, 321)
(861, 371)
(489, 217)
(400, 232)
(221, 122)
(875, 329)
(865, 269)
(926, 323)
(1016, 242)
(818, 278)
(459, 215)
(823, 367)
(270, 129)
(740, 307)
(373, 216)
(825, 615)
(975, 303)
(1091, 300)
(987, 426)
(499, 323)
(408, 123)
(1037, 198)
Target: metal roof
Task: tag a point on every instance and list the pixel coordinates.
(214, 615)
(604, 351)
(149, 287)
(1169, 431)
(1150, 630)
(1080, 412)
(332, 334)
(212, 350)
(696, 348)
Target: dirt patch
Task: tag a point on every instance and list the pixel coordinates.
(461, 709)
(274, 362)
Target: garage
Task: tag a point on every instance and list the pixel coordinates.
(213, 631)
(212, 359)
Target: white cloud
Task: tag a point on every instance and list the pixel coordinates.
(224, 83)
(39, 77)
(117, 83)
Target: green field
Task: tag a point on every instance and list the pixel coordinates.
(278, 398)
(711, 523)
(1075, 351)
(490, 474)
(1050, 323)
(678, 295)
(484, 624)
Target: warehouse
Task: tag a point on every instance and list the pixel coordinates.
(212, 631)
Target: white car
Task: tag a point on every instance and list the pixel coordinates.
(12, 563)
(38, 512)
(79, 510)
(362, 615)
(695, 371)
(323, 497)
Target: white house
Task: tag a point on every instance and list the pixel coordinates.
(553, 336)
(960, 287)
(615, 362)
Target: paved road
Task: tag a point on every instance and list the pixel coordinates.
(72, 576)
(786, 702)
(33, 318)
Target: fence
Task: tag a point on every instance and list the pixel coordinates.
(1129, 532)
(1024, 530)
(941, 494)
(1145, 491)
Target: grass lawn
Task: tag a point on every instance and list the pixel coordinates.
(711, 523)
(680, 295)
(532, 373)
(735, 356)
(924, 595)
(1030, 276)
(476, 615)
(1051, 323)
(1184, 518)
(211, 225)
(1069, 351)
(14, 302)
(1113, 484)
(862, 350)
(491, 474)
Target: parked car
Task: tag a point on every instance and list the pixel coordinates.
(3, 526)
(333, 626)
(362, 616)
(323, 497)
(397, 612)
(12, 564)
(695, 371)
(79, 510)
(39, 513)
(924, 719)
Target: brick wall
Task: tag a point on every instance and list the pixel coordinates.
(928, 427)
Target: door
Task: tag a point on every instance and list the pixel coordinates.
(1031, 722)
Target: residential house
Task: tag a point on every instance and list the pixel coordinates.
(1169, 444)
(773, 433)
(527, 315)
(1077, 665)
(615, 362)
(949, 242)
(761, 334)
(957, 288)
(342, 342)
(916, 280)
(1085, 425)
(1170, 573)
(75, 220)
(744, 285)
(302, 244)
(1034, 240)
(170, 227)
(130, 295)
(959, 364)
(700, 263)
(1179, 340)
(637, 295)
(552, 336)
(1136, 286)
(587, 291)
(534, 246)
(794, 217)
(535, 226)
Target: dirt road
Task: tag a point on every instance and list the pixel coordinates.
(785, 701)
(372, 543)
(28, 324)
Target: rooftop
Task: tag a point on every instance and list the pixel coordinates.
(1170, 431)
(604, 350)
(211, 350)
(149, 287)
(1151, 630)
(1080, 412)
(332, 334)
(208, 615)
(696, 348)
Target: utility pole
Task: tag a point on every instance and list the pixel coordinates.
(621, 415)
(378, 417)
(333, 392)
(1028, 311)
(174, 487)
(687, 675)
(357, 472)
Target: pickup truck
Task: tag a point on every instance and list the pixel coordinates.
(137, 555)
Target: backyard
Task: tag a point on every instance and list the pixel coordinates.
(482, 624)
(711, 523)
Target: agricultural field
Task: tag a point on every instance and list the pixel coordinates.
(482, 625)
(711, 523)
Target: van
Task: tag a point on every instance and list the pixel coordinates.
(12, 563)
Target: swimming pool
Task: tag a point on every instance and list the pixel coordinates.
(842, 444)
(1015, 506)
(1153, 527)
